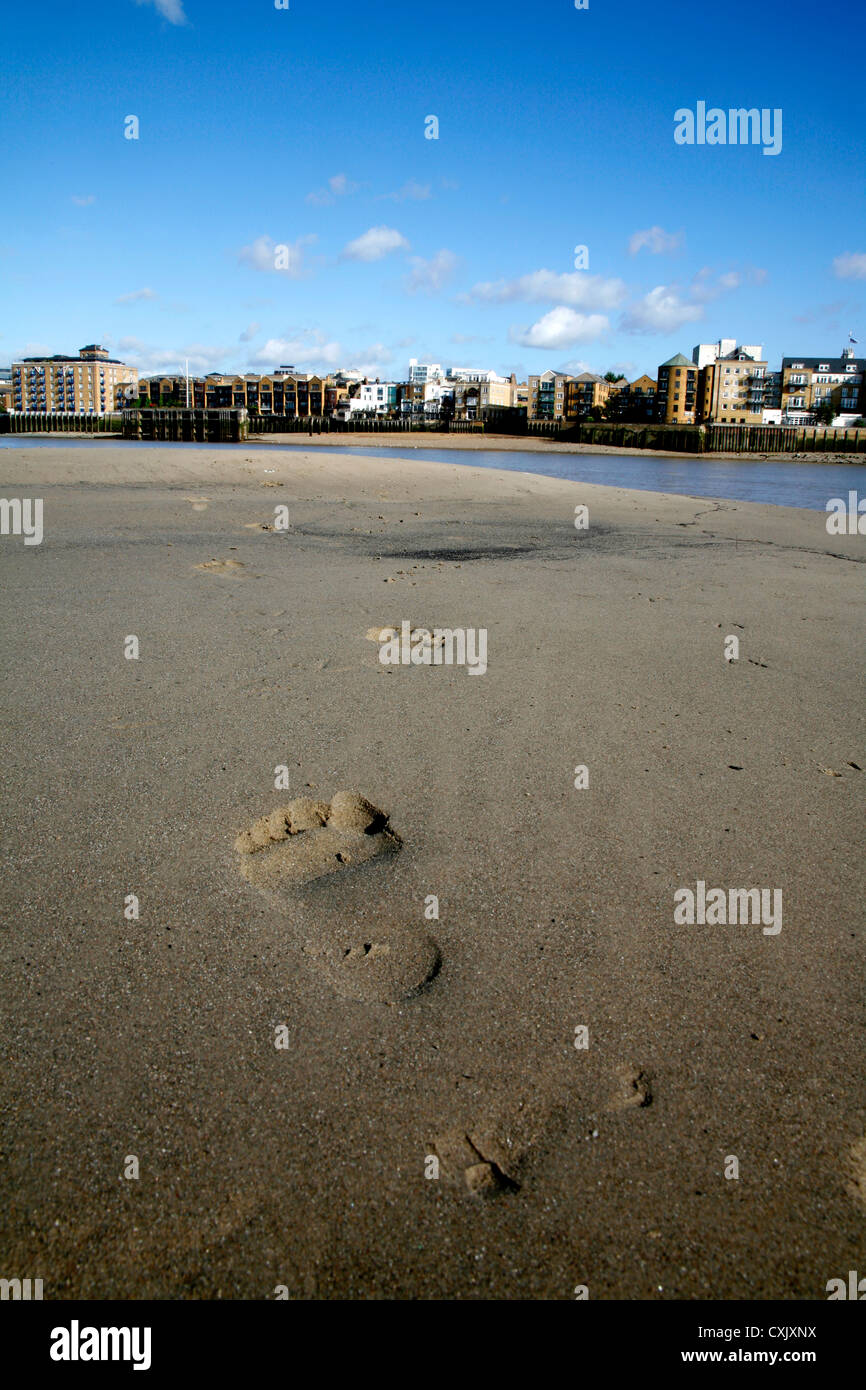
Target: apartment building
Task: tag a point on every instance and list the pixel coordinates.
(91, 383)
(633, 402)
(810, 382)
(419, 372)
(375, 398)
(546, 396)
(704, 354)
(584, 393)
(472, 374)
(731, 388)
(676, 394)
(472, 397)
(300, 394)
(5, 388)
(771, 413)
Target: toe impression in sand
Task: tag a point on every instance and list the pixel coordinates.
(308, 840)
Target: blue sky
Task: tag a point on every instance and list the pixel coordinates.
(305, 128)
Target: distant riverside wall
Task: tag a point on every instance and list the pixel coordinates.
(292, 424)
(58, 422)
(180, 424)
(721, 439)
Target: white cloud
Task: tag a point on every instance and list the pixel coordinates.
(136, 294)
(373, 361)
(339, 186)
(263, 255)
(851, 266)
(374, 244)
(428, 276)
(656, 240)
(660, 311)
(703, 288)
(249, 333)
(821, 312)
(560, 328)
(203, 357)
(172, 10)
(574, 366)
(85, 200)
(305, 346)
(419, 192)
(577, 289)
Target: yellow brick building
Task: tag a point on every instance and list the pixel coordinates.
(731, 390)
(91, 383)
(676, 396)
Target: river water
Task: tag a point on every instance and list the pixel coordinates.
(782, 483)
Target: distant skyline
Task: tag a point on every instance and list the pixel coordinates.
(261, 128)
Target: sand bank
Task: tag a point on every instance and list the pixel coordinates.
(284, 1112)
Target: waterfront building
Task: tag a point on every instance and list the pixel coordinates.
(546, 396)
(375, 398)
(633, 402)
(584, 393)
(731, 388)
(706, 353)
(419, 372)
(299, 394)
(91, 383)
(810, 382)
(677, 391)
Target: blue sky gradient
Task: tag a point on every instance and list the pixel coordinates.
(555, 129)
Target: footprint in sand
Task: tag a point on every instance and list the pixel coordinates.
(492, 1154)
(476, 1162)
(495, 1153)
(388, 634)
(307, 841)
(632, 1089)
(222, 567)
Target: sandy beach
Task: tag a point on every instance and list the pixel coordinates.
(324, 1085)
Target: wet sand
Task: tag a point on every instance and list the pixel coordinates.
(286, 1114)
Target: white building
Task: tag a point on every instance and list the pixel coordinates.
(705, 354)
(419, 372)
(375, 398)
(472, 374)
(435, 394)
